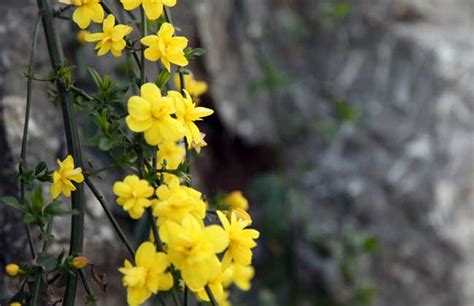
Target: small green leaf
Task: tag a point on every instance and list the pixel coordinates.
(105, 144)
(13, 203)
(190, 52)
(29, 218)
(40, 167)
(162, 78)
(36, 200)
(93, 141)
(95, 76)
(47, 261)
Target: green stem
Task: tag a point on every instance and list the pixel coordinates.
(210, 295)
(154, 229)
(24, 143)
(49, 228)
(181, 81)
(185, 293)
(36, 288)
(106, 168)
(175, 298)
(87, 286)
(143, 28)
(82, 93)
(110, 216)
(167, 14)
(72, 138)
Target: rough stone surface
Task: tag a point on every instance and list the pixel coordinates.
(405, 169)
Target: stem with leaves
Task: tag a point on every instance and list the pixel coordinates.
(72, 138)
(24, 143)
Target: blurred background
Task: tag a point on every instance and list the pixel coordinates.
(348, 124)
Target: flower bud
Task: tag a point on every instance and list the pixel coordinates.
(236, 199)
(81, 36)
(79, 262)
(12, 269)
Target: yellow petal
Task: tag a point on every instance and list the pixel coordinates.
(81, 17)
(153, 9)
(97, 12)
(145, 255)
(169, 3)
(94, 37)
(138, 125)
(109, 23)
(217, 237)
(131, 4)
(166, 31)
(150, 92)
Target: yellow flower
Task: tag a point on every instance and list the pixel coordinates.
(200, 143)
(148, 276)
(151, 113)
(175, 202)
(63, 177)
(216, 286)
(193, 87)
(242, 275)
(240, 214)
(15, 304)
(172, 153)
(86, 11)
(153, 8)
(79, 262)
(165, 47)
(192, 249)
(187, 112)
(81, 36)
(241, 240)
(236, 199)
(12, 269)
(133, 194)
(112, 37)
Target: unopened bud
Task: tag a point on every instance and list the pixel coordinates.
(12, 269)
(79, 262)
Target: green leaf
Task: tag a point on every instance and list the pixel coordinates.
(190, 52)
(93, 141)
(95, 76)
(46, 261)
(105, 144)
(36, 200)
(13, 203)
(162, 78)
(40, 167)
(29, 218)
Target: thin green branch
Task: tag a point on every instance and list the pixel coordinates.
(154, 229)
(210, 295)
(82, 93)
(110, 216)
(72, 138)
(36, 288)
(185, 294)
(87, 286)
(181, 81)
(24, 142)
(143, 28)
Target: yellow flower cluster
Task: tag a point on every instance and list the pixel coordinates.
(164, 119)
(190, 246)
(202, 256)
